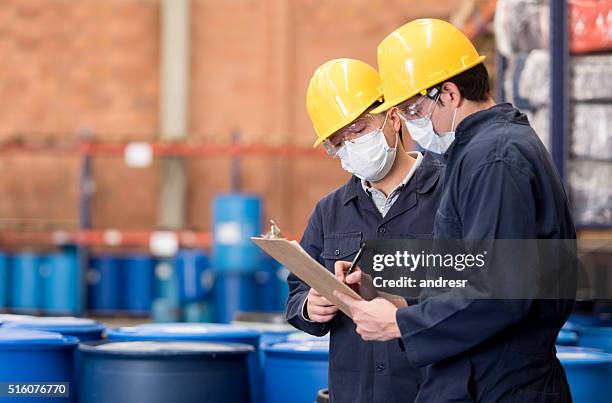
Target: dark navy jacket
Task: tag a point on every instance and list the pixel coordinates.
(361, 371)
(500, 183)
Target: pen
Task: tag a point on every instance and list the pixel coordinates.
(355, 260)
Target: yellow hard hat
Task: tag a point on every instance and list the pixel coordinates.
(419, 55)
(339, 91)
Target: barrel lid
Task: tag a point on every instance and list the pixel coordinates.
(268, 322)
(318, 347)
(581, 356)
(303, 336)
(566, 336)
(22, 338)
(61, 324)
(193, 331)
(165, 348)
(265, 327)
(7, 317)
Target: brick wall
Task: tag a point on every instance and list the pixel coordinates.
(93, 65)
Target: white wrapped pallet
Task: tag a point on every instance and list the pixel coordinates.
(514, 68)
(539, 122)
(519, 25)
(591, 130)
(591, 78)
(591, 135)
(591, 191)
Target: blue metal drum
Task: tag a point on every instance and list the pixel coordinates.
(83, 329)
(272, 326)
(104, 283)
(193, 276)
(62, 283)
(197, 312)
(234, 292)
(588, 374)
(236, 218)
(139, 283)
(4, 280)
(596, 337)
(26, 283)
(164, 371)
(165, 310)
(567, 338)
(295, 372)
(271, 281)
(166, 285)
(580, 320)
(209, 332)
(35, 356)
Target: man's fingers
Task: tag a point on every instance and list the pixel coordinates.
(320, 301)
(322, 318)
(353, 278)
(323, 310)
(350, 301)
(314, 293)
(340, 267)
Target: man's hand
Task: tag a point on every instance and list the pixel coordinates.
(357, 280)
(375, 319)
(319, 309)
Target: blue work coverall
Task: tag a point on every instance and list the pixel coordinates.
(360, 371)
(500, 183)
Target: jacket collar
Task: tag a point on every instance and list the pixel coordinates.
(425, 177)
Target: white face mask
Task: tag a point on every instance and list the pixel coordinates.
(368, 157)
(422, 131)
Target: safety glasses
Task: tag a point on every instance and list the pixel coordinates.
(361, 126)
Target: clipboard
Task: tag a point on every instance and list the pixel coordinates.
(300, 263)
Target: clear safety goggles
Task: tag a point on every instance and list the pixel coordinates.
(423, 107)
(361, 126)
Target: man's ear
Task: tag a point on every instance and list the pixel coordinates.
(394, 117)
(451, 94)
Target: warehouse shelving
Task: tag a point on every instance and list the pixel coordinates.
(85, 236)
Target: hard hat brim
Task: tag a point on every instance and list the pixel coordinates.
(390, 103)
(319, 141)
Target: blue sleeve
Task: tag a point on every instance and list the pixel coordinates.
(496, 203)
(312, 242)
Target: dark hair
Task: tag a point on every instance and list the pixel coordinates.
(473, 84)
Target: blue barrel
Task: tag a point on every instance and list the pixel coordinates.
(596, 337)
(83, 329)
(583, 319)
(194, 280)
(166, 286)
(62, 283)
(271, 281)
(209, 332)
(295, 372)
(197, 312)
(236, 218)
(26, 284)
(165, 310)
(272, 326)
(567, 338)
(35, 356)
(588, 374)
(234, 292)
(139, 283)
(104, 283)
(4, 280)
(161, 372)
